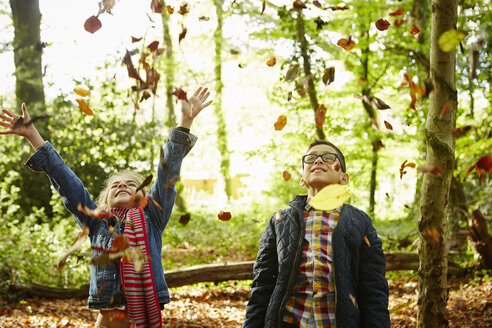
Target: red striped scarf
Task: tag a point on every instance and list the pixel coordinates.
(141, 296)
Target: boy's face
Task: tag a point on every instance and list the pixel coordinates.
(320, 174)
(121, 192)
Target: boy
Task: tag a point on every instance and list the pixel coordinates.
(319, 268)
(123, 292)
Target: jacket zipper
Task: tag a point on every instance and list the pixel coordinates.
(290, 278)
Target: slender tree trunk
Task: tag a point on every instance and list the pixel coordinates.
(219, 85)
(313, 98)
(170, 88)
(432, 226)
(27, 54)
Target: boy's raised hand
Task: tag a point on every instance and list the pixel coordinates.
(191, 108)
(16, 124)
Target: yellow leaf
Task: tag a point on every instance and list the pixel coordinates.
(81, 92)
(83, 106)
(450, 39)
(330, 197)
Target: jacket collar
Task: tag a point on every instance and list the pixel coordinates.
(299, 202)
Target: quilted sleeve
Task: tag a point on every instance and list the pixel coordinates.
(264, 279)
(373, 286)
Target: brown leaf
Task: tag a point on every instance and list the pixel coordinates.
(329, 75)
(485, 163)
(272, 61)
(171, 183)
(317, 3)
(281, 122)
(430, 169)
(367, 241)
(388, 125)
(204, 18)
(286, 175)
(169, 9)
(224, 216)
(398, 22)
(461, 131)
(433, 235)
(320, 116)
(84, 107)
(382, 24)
(403, 166)
(184, 219)
(181, 94)
(298, 4)
(80, 239)
(153, 46)
(156, 6)
(415, 30)
(132, 72)
(345, 44)
(292, 73)
(182, 35)
(183, 9)
(397, 12)
(134, 39)
(92, 24)
(278, 216)
(156, 204)
(445, 109)
(335, 8)
(120, 243)
(145, 183)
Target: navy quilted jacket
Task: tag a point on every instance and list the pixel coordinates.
(361, 288)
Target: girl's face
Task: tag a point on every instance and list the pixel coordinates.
(122, 192)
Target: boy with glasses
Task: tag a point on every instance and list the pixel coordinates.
(319, 268)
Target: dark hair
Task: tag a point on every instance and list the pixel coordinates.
(340, 156)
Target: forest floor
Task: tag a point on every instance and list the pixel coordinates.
(223, 305)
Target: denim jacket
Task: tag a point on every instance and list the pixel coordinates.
(105, 283)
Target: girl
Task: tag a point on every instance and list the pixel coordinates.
(124, 292)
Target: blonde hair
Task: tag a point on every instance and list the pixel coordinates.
(102, 199)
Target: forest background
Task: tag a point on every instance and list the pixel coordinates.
(281, 75)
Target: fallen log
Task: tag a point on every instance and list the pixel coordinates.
(214, 273)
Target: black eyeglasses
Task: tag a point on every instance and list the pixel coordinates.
(326, 157)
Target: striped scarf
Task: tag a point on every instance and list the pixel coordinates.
(141, 296)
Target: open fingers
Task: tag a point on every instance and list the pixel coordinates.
(24, 111)
(197, 92)
(6, 118)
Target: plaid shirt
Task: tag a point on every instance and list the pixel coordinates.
(312, 301)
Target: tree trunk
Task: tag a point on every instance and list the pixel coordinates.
(211, 273)
(432, 226)
(225, 161)
(311, 90)
(481, 239)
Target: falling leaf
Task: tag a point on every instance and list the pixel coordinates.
(134, 39)
(203, 18)
(171, 183)
(335, 8)
(281, 122)
(263, 6)
(81, 92)
(398, 22)
(382, 24)
(92, 24)
(153, 46)
(461, 131)
(298, 4)
(319, 23)
(144, 183)
(430, 169)
(301, 91)
(224, 216)
(433, 235)
(183, 9)
(445, 109)
(20, 121)
(415, 30)
(138, 201)
(169, 9)
(181, 94)
(80, 239)
(83, 106)
(330, 197)
(388, 125)
(397, 12)
(320, 116)
(374, 124)
(292, 73)
(329, 75)
(271, 62)
(156, 6)
(367, 241)
(400, 307)
(278, 216)
(404, 165)
(120, 243)
(286, 175)
(346, 44)
(156, 204)
(132, 72)
(97, 213)
(182, 34)
(106, 6)
(450, 39)
(184, 219)
(387, 195)
(317, 3)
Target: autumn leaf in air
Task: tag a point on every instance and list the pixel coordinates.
(76, 245)
(92, 24)
(436, 170)
(224, 216)
(183, 9)
(397, 12)
(433, 235)
(382, 24)
(461, 131)
(134, 39)
(281, 122)
(415, 30)
(170, 10)
(84, 107)
(184, 219)
(347, 45)
(298, 4)
(398, 22)
(317, 4)
(272, 61)
(97, 213)
(182, 34)
(286, 175)
(292, 73)
(329, 75)
(120, 243)
(388, 125)
(482, 166)
(81, 92)
(181, 94)
(153, 46)
(330, 197)
(145, 183)
(450, 39)
(156, 6)
(320, 116)
(404, 165)
(445, 109)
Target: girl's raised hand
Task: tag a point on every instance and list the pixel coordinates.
(16, 124)
(190, 109)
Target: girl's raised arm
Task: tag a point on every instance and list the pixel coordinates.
(22, 126)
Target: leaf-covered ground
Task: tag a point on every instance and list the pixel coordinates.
(469, 305)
